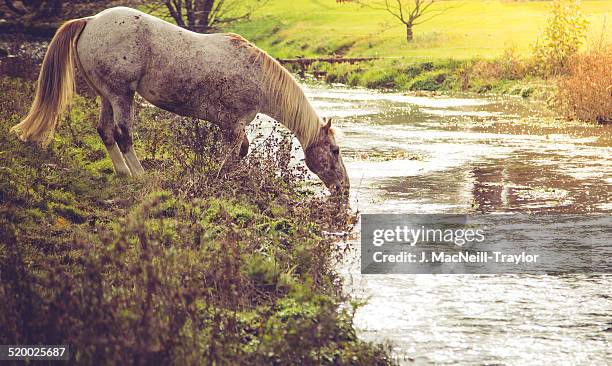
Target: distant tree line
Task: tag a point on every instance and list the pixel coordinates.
(54, 10)
(205, 16)
(33, 9)
(197, 15)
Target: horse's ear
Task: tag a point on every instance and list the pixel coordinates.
(327, 125)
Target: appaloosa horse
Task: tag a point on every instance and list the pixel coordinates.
(221, 78)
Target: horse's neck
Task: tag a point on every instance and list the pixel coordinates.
(283, 98)
(299, 116)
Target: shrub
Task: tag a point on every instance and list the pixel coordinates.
(430, 80)
(586, 92)
(563, 35)
(380, 75)
(509, 66)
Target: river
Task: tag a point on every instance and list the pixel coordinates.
(430, 154)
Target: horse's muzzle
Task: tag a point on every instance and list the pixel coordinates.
(340, 189)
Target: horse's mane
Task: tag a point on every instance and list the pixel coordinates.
(294, 109)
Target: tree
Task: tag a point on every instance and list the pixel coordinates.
(34, 9)
(565, 32)
(205, 15)
(54, 11)
(410, 12)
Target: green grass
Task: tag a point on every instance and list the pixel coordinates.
(469, 29)
(179, 267)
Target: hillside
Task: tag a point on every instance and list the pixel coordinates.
(468, 29)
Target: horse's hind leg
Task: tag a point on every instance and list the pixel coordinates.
(106, 127)
(123, 108)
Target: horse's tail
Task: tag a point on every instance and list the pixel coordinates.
(55, 85)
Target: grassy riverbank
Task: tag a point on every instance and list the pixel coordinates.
(477, 46)
(181, 267)
(480, 46)
(468, 29)
(511, 76)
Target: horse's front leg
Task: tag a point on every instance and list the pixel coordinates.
(244, 145)
(236, 140)
(237, 143)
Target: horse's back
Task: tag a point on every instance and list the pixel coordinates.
(171, 67)
(123, 34)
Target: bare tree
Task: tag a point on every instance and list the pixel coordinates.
(410, 12)
(205, 15)
(52, 11)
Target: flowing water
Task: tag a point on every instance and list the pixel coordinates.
(410, 154)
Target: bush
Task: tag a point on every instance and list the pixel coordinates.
(586, 92)
(508, 67)
(563, 35)
(430, 81)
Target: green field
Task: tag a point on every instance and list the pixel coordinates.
(469, 29)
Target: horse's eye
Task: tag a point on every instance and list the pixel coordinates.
(335, 150)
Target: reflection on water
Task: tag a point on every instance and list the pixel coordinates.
(475, 154)
(450, 155)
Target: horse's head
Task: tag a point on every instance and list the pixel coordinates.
(323, 158)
